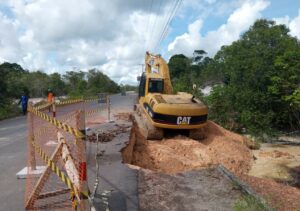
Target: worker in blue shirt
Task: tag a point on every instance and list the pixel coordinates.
(24, 103)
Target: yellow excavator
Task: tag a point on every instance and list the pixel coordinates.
(159, 109)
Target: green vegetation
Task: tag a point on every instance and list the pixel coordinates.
(14, 81)
(256, 78)
(249, 203)
(129, 87)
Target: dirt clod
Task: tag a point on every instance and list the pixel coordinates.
(102, 137)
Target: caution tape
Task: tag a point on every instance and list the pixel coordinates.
(67, 117)
(92, 111)
(65, 102)
(57, 123)
(91, 99)
(41, 107)
(56, 170)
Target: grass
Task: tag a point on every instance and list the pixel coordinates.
(249, 203)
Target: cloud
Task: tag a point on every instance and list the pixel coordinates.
(113, 35)
(293, 24)
(283, 20)
(239, 21)
(58, 35)
(9, 45)
(189, 41)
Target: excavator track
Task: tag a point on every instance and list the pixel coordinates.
(197, 134)
(147, 129)
(153, 133)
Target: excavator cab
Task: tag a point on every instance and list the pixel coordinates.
(153, 84)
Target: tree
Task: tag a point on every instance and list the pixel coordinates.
(198, 56)
(76, 84)
(57, 84)
(179, 65)
(285, 88)
(11, 74)
(258, 87)
(99, 82)
(37, 83)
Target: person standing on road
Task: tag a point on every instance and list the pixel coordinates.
(50, 97)
(24, 102)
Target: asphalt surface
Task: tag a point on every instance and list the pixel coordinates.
(13, 149)
(13, 158)
(114, 176)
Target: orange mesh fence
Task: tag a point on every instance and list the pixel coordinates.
(56, 148)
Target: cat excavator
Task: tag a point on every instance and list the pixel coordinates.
(159, 110)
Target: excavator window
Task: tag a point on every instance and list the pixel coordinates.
(156, 86)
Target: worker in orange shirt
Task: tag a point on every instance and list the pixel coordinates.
(50, 97)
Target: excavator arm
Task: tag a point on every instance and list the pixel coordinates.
(157, 65)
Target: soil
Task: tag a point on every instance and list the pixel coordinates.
(204, 189)
(279, 196)
(180, 153)
(122, 116)
(277, 162)
(276, 154)
(108, 132)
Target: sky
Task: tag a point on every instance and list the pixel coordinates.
(113, 35)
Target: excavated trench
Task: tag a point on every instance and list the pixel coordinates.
(179, 154)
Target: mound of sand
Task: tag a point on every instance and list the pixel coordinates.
(180, 153)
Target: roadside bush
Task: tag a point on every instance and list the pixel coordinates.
(8, 110)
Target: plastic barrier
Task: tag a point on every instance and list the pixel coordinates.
(56, 144)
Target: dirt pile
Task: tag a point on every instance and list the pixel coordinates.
(180, 153)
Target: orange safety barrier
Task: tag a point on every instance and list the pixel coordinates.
(57, 145)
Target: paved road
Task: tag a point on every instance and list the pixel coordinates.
(12, 159)
(114, 175)
(13, 150)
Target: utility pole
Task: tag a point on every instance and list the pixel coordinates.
(143, 65)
